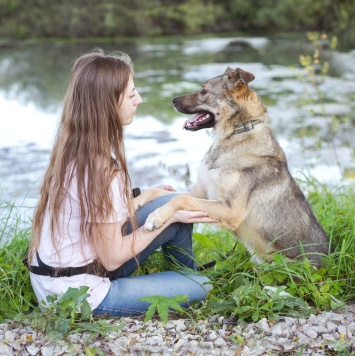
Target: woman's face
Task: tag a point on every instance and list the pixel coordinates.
(130, 101)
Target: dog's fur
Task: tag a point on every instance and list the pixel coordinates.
(243, 180)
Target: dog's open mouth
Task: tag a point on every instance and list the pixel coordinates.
(202, 120)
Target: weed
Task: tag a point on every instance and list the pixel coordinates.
(15, 287)
(66, 314)
(316, 97)
(241, 288)
(162, 304)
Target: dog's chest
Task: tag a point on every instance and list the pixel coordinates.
(219, 173)
(208, 178)
(216, 183)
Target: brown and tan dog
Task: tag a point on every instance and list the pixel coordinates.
(243, 180)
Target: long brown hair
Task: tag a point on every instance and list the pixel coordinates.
(89, 139)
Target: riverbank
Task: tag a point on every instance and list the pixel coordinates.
(322, 334)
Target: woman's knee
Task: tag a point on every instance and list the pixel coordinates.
(145, 210)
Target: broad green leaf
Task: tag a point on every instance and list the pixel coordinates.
(62, 326)
(162, 305)
(150, 299)
(80, 300)
(267, 278)
(181, 298)
(324, 288)
(99, 326)
(163, 311)
(150, 312)
(89, 351)
(175, 306)
(280, 277)
(86, 311)
(74, 293)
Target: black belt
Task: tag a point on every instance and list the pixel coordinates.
(44, 270)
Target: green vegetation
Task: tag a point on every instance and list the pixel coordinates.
(247, 291)
(324, 288)
(242, 289)
(162, 304)
(316, 99)
(15, 287)
(68, 313)
(107, 18)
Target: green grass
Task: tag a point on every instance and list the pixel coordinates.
(15, 287)
(325, 288)
(241, 288)
(329, 287)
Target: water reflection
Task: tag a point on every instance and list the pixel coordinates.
(38, 73)
(317, 136)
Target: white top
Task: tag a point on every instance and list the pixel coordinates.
(73, 252)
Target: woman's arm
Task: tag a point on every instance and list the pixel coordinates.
(113, 249)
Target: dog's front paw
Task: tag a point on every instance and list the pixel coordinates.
(154, 222)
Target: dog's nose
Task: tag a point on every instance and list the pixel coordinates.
(175, 101)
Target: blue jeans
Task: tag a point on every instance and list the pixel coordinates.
(175, 241)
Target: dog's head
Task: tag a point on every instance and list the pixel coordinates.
(224, 97)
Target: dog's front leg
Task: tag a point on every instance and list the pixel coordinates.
(214, 209)
(160, 216)
(147, 196)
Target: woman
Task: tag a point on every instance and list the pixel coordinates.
(84, 225)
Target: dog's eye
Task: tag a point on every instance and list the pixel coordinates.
(203, 91)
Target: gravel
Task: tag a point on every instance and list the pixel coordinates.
(322, 334)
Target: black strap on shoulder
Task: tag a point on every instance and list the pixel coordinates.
(136, 192)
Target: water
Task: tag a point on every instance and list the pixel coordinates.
(318, 139)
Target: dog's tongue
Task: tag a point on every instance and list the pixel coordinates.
(193, 119)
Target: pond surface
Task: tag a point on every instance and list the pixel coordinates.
(315, 124)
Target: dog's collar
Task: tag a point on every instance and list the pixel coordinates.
(246, 126)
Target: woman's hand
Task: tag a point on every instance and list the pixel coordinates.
(166, 187)
(188, 217)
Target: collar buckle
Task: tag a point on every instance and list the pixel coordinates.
(246, 126)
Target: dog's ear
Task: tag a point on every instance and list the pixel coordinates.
(245, 76)
(238, 76)
(229, 72)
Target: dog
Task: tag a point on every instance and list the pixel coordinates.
(243, 180)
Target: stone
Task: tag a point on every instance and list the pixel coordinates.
(178, 345)
(278, 329)
(6, 350)
(330, 337)
(203, 338)
(342, 329)
(219, 342)
(212, 336)
(302, 338)
(321, 329)
(10, 336)
(331, 327)
(263, 325)
(193, 346)
(311, 333)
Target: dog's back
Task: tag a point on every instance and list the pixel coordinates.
(277, 210)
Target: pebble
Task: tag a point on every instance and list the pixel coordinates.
(322, 334)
